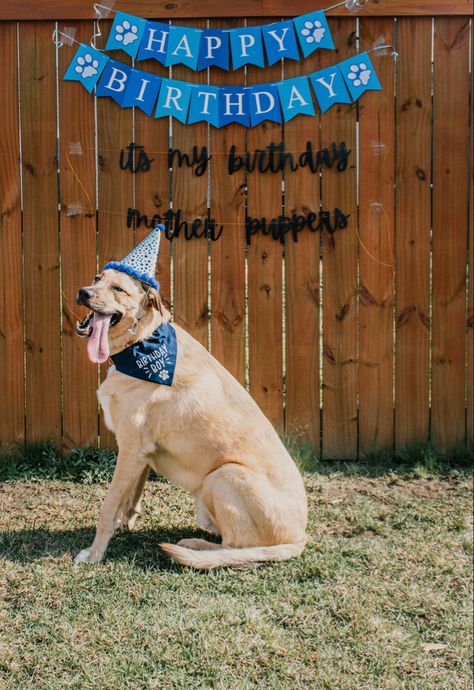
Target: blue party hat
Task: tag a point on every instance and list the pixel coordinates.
(140, 263)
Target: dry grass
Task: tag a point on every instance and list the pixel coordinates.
(380, 599)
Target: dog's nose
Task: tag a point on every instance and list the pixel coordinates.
(83, 295)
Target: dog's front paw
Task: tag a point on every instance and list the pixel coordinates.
(85, 556)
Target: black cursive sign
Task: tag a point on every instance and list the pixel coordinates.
(279, 227)
(133, 162)
(175, 226)
(275, 159)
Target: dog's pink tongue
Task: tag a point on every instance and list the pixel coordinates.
(98, 343)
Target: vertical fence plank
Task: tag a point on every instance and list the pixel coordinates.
(228, 253)
(302, 303)
(12, 400)
(340, 270)
(115, 132)
(40, 231)
(78, 246)
(450, 218)
(264, 200)
(152, 188)
(412, 233)
(470, 310)
(376, 231)
(189, 194)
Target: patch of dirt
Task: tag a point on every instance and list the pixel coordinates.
(384, 488)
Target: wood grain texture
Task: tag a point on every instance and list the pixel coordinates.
(189, 195)
(470, 309)
(40, 232)
(115, 132)
(82, 9)
(302, 302)
(264, 200)
(355, 317)
(12, 400)
(376, 256)
(412, 233)
(450, 222)
(78, 248)
(152, 188)
(340, 270)
(228, 253)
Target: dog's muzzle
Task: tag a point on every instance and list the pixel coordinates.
(83, 296)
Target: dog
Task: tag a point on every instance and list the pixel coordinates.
(203, 433)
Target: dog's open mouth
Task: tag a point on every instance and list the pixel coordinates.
(96, 327)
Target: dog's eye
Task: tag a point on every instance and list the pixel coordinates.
(96, 279)
(117, 288)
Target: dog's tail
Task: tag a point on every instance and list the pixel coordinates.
(220, 557)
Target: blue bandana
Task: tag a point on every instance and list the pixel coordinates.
(153, 359)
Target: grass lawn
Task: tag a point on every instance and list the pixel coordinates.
(380, 599)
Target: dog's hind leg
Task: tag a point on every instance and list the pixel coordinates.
(204, 518)
(127, 477)
(255, 521)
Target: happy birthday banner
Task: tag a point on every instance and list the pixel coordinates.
(202, 48)
(344, 82)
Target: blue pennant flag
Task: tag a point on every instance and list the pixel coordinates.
(183, 46)
(329, 87)
(359, 75)
(264, 103)
(126, 33)
(313, 32)
(204, 105)
(142, 91)
(87, 65)
(233, 105)
(214, 49)
(154, 43)
(280, 41)
(247, 47)
(173, 99)
(295, 97)
(114, 81)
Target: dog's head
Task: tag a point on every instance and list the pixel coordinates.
(123, 311)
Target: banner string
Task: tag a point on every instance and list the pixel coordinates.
(59, 44)
(361, 242)
(80, 184)
(389, 242)
(242, 223)
(376, 146)
(68, 304)
(349, 4)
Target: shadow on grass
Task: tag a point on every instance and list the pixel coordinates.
(139, 547)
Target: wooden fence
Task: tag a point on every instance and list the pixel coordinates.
(358, 340)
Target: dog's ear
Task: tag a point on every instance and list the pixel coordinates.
(154, 299)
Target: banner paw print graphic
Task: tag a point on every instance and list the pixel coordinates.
(126, 33)
(359, 75)
(87, 66)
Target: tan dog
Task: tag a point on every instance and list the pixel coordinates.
(203, 433)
